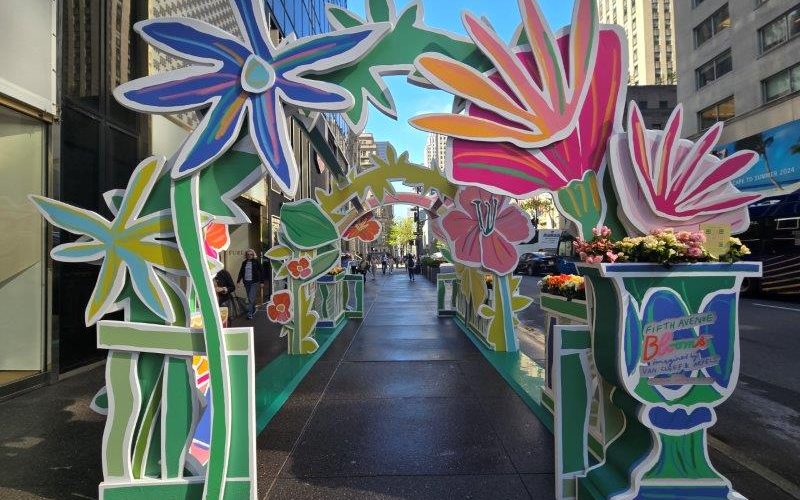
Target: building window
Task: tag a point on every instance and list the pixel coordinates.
(779, 31)
(714, 69)
(712, 25)
(720, 111)
(663, 104)
(781, 84)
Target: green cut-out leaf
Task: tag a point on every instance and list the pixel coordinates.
(485, 311)
(279, 252)
(306, 226)
(323, 263)
(380, 11)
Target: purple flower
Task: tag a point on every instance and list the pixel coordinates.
(235, 77)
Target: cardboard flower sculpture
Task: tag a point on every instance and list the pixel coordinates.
(249, 77)
(483, 230)
(129, 247)
(658, 353)
(665, 181)
(365, 229)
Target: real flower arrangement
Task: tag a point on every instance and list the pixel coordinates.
(570, 286)
(662, 246)
(336, 270)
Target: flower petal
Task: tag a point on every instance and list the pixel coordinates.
(250, 17)
(476, 129)
(79, 251)
(326, 52)
(215, 134)
(313, 95)
(503, 167)
(270, 135)
(514, 225)
(179, 90)
(464, 235)
(497, 254)
(110, 283)
(194, 40)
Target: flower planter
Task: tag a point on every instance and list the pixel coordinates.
(558, 311)
(668, 340)
(329, 301)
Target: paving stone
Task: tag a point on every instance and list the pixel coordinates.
(421, 379)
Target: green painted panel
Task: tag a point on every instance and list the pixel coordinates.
(161, 491)
(134, 338)
(237, 490)
(117, 446)
(237, 341)
(576, 339)
(239, 460)
(574, 401)
(573, 308)
(178, 413)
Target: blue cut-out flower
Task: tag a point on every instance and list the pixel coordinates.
(234, 76)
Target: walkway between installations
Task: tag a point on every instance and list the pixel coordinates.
(402, 405)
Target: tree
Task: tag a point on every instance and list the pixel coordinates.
(538, 207)
(401, 232)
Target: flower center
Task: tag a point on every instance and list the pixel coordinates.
(487, 214)
(281, 308)
(257, 75)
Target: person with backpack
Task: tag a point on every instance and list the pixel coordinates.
(409, 259)
(252, 274)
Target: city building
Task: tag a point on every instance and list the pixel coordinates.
(63, 135)
(651, 37)
(739, 63)
(656, 102)
(366, 148)
(436, 151)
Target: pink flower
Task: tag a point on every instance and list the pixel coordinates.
(665, 181)
(612, 257)
(483, 230)
(521, 172)
(694, 252)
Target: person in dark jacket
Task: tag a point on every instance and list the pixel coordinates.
(224, 285)
(252, 275)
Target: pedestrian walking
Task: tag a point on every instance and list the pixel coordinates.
(409, 259)
(373, 266)
(384, 263)
(252, 274)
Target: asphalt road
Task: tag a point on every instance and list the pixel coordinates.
(759, 426)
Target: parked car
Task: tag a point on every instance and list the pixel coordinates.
(531, 263)
(565, 255)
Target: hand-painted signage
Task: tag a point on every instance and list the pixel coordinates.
(664, 354)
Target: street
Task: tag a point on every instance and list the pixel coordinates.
(759, 426)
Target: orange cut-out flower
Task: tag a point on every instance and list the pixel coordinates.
(279, 309)
(366, 229)
(545, 98)
(299, 269)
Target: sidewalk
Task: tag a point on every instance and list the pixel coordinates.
(401, 405)
(404, 406)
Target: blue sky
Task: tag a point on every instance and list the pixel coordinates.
(445, 14)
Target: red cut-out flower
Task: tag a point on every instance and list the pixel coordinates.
(279, 310)
(299, 269)
(365, 229)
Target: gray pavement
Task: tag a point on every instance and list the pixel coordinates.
(756, 439)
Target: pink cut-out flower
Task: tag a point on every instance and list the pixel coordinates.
(483, 229)
(520, 172)
(665, 181)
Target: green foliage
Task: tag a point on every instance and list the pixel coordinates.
(401, 232)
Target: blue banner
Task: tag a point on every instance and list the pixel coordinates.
(778, 169)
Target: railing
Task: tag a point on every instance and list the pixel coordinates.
(329, 302)
(154, 409)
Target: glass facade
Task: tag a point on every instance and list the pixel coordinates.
(22, 271)
(101, 144)
(302, 17)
